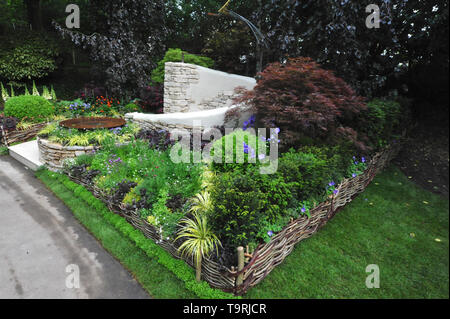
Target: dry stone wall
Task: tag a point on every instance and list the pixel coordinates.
(52, 155)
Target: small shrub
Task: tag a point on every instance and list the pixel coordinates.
(35, 108)
(175, 55)
(243, 200)
(383, 120)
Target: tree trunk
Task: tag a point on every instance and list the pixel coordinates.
(198, 269)
(34, 14)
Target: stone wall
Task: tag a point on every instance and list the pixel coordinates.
(191, 88)
(52, 155)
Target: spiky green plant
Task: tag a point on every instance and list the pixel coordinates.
(48, 129)
(200, 240)
(202, 203)
(35, 90)
(12, 90)
(5, 94)
(53, 93)
(26, 90)
(45, 93)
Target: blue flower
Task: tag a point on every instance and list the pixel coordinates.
(277, 130)
(363, 159)
(270, 233)
(246, 148)
(331, 183)
(303, 209)
(261, 157)
(353, 175)
(335, 192)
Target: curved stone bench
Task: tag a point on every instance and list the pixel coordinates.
(181, 120)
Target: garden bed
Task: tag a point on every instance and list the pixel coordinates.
(266, 256)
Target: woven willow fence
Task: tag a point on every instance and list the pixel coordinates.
(266, 256)
(20, 136)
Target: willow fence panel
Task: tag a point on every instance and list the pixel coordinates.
(19, 136)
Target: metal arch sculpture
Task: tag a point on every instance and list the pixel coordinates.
(260, 37)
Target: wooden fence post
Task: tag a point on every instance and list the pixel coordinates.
(240, 278)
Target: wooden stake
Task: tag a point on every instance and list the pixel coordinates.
(240, 278)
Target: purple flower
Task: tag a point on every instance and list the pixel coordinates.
(263, 138)
(331, 184)
(303, 209)
(277, 130)
(335, 192)
(270, 233)
(246, 148)
(353, 175)
(363, 159)
(261, 157)
(356, 162)
(252, 119)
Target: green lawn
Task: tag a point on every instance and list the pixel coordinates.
(394, 224)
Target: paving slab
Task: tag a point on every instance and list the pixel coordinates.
(26, 153)
(41, 241)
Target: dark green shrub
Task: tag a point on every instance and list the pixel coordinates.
(243, 201)
(383, 120)
(27, 57)
(34, 108)
(175, 55)
(309, 170)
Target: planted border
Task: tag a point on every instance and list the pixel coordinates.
(180, 269)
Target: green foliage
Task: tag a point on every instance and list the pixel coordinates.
(28, 57)
(309, 169)
(34, 108)
(229, 153)
(5, 94)
(74, 137)
(35, 90)
(175, 55)
(131, 107)
(46, 93)
(384, 120)
(4, 150)
(243, 200)
(199, 242)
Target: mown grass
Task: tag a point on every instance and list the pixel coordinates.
(154, 278)
(394, 224)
